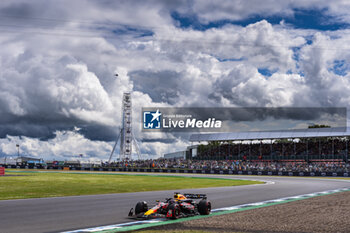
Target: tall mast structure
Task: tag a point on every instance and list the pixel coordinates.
(126, 137)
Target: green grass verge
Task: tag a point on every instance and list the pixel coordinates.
(57, 184)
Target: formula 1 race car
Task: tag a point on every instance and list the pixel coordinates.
(182, 205)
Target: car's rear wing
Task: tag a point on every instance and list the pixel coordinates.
(195, 196)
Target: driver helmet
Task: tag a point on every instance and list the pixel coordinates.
(178, 196)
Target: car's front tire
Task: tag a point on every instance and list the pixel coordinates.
(204, 207)
(141, 207)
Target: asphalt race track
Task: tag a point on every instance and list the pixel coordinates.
(71, 213)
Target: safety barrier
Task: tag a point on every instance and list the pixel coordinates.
(197, 171)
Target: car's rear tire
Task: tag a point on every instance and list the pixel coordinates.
(204, 207)
(141, 207)
(175, 209)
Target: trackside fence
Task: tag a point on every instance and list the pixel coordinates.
(190, 171)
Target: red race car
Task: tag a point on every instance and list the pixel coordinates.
(182, 205)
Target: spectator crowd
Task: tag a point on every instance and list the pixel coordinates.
(323, 148)
(238, 165)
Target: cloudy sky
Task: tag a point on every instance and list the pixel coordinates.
(59, 97)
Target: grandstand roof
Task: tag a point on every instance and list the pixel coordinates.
(241, 136)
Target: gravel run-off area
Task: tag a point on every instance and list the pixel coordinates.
(330, 213)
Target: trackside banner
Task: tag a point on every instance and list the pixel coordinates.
(160, 119)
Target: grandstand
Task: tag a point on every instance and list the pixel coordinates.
(310, 145)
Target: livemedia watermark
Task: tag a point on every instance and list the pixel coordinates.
(240, 119)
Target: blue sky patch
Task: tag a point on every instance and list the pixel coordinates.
(308, 39)
(339, 67)
(317, 19)
(301, 73)
(266, 72)
(296, 53)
